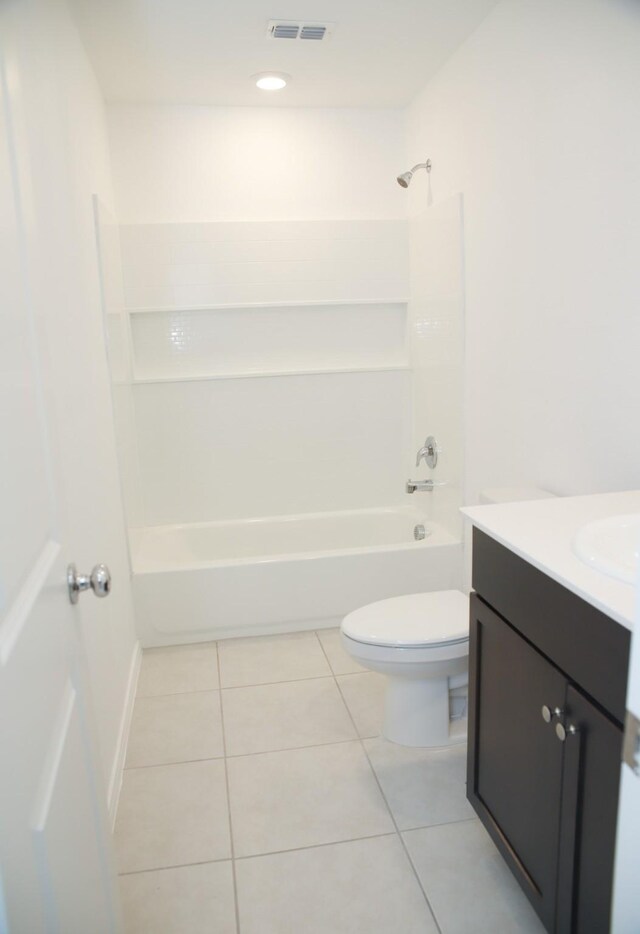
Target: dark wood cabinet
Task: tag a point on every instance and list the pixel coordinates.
(589, 811)
(545, 747)
(517, 757)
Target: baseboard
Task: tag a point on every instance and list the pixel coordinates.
(115, 781)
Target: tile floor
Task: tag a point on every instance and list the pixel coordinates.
(259, 798)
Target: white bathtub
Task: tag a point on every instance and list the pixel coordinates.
(257, 576)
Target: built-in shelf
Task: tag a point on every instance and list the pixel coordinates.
(177, 309)
(267, 374)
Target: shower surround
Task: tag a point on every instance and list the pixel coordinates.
(272, 425)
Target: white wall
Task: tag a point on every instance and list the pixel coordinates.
(249, 163)
(436, 329)
(177, 266)
(63, 159)
(535, 120)
(118, 329)
(242, 448)
(270, 367)
(267, 210)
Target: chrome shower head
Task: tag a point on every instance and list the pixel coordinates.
(404, 180)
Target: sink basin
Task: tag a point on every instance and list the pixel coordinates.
(611, 546)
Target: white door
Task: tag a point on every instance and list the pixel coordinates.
(55, 851)
(626, 901)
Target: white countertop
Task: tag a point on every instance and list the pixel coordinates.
(541, 532)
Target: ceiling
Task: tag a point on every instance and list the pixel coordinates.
(381, 53)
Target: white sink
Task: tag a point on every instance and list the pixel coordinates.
(611, 546)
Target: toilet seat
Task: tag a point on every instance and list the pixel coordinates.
(413, 621)
(420, 642)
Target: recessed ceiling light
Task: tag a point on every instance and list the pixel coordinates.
(271, 80)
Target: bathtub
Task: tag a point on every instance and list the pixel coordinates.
(257, 576)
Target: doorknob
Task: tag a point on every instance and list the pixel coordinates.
(99, 581)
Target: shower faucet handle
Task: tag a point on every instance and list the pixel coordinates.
(429, 451)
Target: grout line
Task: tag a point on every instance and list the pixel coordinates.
(404, 845)
(226, 778)
(162, 765)
(264, 684)
(315, 846)
(204, 862)
(238, 687)
(445, 823)
(402, 841)
(442, 823)
(268, 752)
(178, 693)
(384, 798)
(296, 849)
(247, 755)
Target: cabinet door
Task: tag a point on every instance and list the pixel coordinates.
(590, 804)
(515, 759)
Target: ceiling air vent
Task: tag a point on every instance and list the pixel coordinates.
(284, 31)
(313, 32)
(289, 29)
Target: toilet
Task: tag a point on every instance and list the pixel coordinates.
(420, 642)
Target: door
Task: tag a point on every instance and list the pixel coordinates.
(515, 760)
(626, 904)
(589, 809)
(55, 855)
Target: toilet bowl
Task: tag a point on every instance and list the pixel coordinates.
(420, 642)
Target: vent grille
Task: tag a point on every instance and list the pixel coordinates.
(285, 31)
(315, 32)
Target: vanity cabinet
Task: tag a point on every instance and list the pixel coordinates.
(547, 684)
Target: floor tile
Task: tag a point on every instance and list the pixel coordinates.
(340, 660)
(186, 900)
(467, 882)
(178, 668)
(422, 786)
(364, 696)
(304, 797)
(267, 659)
(170, 815)
(362, 887)
(175, 728)
(284, 716)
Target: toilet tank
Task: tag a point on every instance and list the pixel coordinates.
(513, 494)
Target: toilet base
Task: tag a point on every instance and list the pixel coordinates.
(416, 713)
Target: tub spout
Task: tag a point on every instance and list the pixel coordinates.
(423, 486)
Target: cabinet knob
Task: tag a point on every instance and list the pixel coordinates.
(548, 714)
(562, 732)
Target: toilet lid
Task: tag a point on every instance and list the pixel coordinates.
(418, 619)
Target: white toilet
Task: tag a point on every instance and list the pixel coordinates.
(421, 642)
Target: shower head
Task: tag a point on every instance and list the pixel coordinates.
(404, 180)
